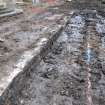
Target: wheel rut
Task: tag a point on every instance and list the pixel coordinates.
(73, 72)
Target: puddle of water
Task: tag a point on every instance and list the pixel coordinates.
(89, 55)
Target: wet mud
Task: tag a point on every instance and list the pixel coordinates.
(73, 72)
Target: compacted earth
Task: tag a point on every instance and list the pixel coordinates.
(73, 72)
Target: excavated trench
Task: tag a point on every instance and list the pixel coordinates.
(73, 72)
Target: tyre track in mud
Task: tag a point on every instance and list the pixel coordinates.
(73, 71)
(90, 56)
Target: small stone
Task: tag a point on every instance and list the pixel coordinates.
(21, 101)
(1, 40)
(1, 55)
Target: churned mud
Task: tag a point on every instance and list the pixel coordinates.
(73, 72)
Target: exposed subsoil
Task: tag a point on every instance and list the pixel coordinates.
(73, 72)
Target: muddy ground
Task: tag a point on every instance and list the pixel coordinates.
(21, 33)
(73, 72)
